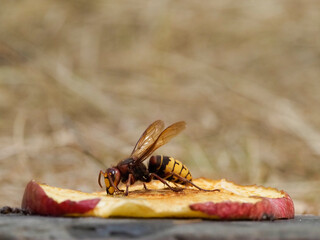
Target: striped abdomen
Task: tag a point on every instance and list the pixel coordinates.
(164, 165)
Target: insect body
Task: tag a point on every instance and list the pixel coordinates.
(162, 168)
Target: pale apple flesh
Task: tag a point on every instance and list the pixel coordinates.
(232, 202)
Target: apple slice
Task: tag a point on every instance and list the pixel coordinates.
(269, 206)
(37, 201)
(232, 202)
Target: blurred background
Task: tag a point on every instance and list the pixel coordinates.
(92, 75)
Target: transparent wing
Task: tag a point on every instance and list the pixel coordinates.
(163, 138)
(147, 139)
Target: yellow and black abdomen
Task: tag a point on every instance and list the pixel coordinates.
(164, 165)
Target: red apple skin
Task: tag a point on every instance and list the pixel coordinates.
(266, 209)
(36, 201)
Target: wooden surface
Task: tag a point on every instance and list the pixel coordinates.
(15, 226)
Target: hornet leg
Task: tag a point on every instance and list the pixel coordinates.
(145, 187)
(165, 182)
(130, 180)
(191, 183)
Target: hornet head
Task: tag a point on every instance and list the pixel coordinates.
(111, 179)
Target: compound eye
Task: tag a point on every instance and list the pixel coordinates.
(112, 173)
